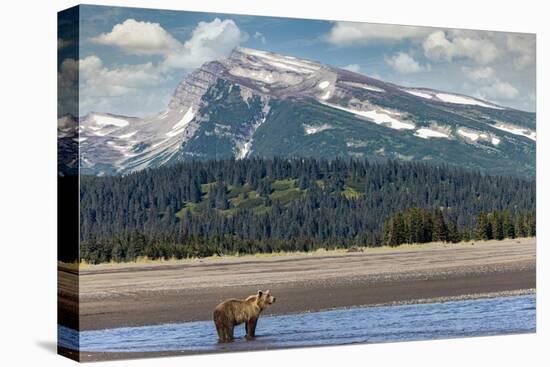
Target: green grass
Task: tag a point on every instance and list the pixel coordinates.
(282, 185)
(244, 197)
(351, 193)
(252, 201)
(235, 191)
(191, 207)
(286, 196)
(205, 188)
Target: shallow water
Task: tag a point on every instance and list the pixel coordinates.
(481, 317)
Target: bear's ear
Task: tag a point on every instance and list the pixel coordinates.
(268, 292)
(260, 293)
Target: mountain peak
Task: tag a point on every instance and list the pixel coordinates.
(260, 103)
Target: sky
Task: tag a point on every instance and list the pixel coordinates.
(131, 60)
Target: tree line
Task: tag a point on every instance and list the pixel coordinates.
(419, 225)
(125, 217)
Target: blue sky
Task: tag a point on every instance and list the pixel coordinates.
(131, 60)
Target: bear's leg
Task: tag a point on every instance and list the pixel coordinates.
(227, 333)
(219, 329)
(251, 328)
(230, 330)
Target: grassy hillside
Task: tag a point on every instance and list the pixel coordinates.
(246, 198)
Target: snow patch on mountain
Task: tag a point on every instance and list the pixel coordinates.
(266, 76)
(469, 134)
(418, 93)
(128, 135)
(104, 120)
(326, 95)
(450, 98)
(324, 84)
(365, 86)
(380, 118)
(516, 130)
(189, 115)
(243, 143)
(426, 133)
(314, 129)
(458, 99)
(282, 62)
(475, 136)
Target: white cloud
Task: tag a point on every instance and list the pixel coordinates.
(260, 36)
(119, 88)
(479, 74)
(105, 89)
(405, 64)
(98, 80)
(139, 38)
(209, 41)
(349, 33)
(353, 67)
(522, 46)
(498, 90)
(440, 46)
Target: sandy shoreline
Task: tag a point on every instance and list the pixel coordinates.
(115, 295)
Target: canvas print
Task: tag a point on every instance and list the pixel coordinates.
(235, 183)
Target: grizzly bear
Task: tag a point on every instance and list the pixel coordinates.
(233, 312)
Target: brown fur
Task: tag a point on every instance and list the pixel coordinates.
(233, 312)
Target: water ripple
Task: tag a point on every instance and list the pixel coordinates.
(482, 317)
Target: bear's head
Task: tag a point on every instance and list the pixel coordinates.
(264, 299)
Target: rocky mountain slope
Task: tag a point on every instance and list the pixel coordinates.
(257, 103)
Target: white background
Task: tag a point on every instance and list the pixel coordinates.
(28, 182)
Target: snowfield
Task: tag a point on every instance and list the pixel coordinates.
(282, 62)
(244, 150)
(243, 145)
(189, 115)
(468, 134)
(451, 98)
(326, 95)
(418, 93)
(457, 99)
(129, 135)
(379, 118)
(175, 132)
(267, 76)
(263, 76)
(475, 136)
(314, 129)
(104, 120)
(426, 133)
(517, 130)
(365, 86)
(324, 84)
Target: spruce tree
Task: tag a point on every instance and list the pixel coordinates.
(453, 234)
(440, 231)
(509, 230)
(498, 226)
(482, 227)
